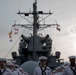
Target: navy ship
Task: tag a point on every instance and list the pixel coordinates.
(36, 45)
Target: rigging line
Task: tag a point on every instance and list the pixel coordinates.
(44, 18)
(55, 45)
(47, 30)
(27, 32)
(26, 19)
(49, 5)
(14, 44)
(44, 32)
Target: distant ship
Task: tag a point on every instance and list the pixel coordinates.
(34, 46)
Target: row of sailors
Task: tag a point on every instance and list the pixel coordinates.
(10, 68)
(41, 69)
(65, 69)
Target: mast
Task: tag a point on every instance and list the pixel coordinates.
(35, 18)
(35, 26)
(29, 46)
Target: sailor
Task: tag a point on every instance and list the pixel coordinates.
(3, 69)
(66, 64)
(70, 69)
(14, 70)
(10, 65)
(42, 69)
(58, 71)
(13, 61)
(22, 71)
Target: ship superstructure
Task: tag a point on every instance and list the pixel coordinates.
(34, 46)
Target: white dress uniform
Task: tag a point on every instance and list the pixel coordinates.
(16, 72)
(39, 71)
(59, 73)
(5, 72)
(68, 71)
(22, 71)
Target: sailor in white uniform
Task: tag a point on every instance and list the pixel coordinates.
(14, 70)
(3, 69)
(66, 63)
(58, 71)
(13, 61)
(70, 69)
(22, 71)
(42, 69)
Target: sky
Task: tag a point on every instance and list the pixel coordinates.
(64, 13)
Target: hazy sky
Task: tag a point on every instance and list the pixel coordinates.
(64, 11)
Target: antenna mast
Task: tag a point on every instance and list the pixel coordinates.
(36, 26)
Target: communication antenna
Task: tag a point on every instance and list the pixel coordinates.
(35, 0)
(49, 5)
(19, 5)
(14, 21)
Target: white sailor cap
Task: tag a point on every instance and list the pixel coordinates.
(3, 59)
(66, 63)
(53, 71)
(57, 68)
(13, 61)
(42, 58)
(72, 57)
(10, 64)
